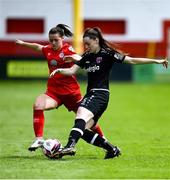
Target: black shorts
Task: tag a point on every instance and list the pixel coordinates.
(96, 101)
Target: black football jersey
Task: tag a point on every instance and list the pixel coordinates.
(98, 67)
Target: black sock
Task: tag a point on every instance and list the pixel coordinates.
(76, 132)
(95, 139)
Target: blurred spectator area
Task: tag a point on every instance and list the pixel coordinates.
(109, 28)
(139, 28)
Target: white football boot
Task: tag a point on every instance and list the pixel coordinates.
(37, 143)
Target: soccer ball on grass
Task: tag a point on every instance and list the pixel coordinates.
(51, 148)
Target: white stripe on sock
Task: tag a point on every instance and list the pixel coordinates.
(79, 130)
(93, 139)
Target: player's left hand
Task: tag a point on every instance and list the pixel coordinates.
(164, 62)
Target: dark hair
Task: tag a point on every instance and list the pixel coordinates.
(62, 30)
(94, 33)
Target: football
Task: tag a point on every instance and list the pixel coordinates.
(51, 147)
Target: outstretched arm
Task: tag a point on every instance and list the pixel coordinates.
(66, 71)
(131, 60)
(34, 46)
(72, 58)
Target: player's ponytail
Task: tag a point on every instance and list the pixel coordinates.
(65, 29)
(62, 30)
(94, 33)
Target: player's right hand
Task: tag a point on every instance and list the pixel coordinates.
(17, 41)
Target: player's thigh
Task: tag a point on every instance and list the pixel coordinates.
(85, 114)
(45, 102)
(90, 124)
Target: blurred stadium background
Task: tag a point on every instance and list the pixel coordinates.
(140, 27)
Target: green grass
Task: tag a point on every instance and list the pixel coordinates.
(137, 120)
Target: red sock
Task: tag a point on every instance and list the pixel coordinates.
(97, 130)
(38, 122)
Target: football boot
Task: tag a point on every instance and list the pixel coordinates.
(114, 153)
(70, 151)
(37, 143)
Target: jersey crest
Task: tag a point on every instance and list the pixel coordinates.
(61, 55)
(99, 60)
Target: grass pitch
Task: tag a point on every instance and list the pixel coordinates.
(137, 120)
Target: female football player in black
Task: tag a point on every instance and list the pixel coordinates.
(97, 61)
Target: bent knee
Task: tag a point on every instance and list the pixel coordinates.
(44, 102)
(38, 106)
(39, 103)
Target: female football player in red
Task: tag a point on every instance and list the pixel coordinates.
(61, 89)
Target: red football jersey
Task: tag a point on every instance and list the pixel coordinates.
(59, 83)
